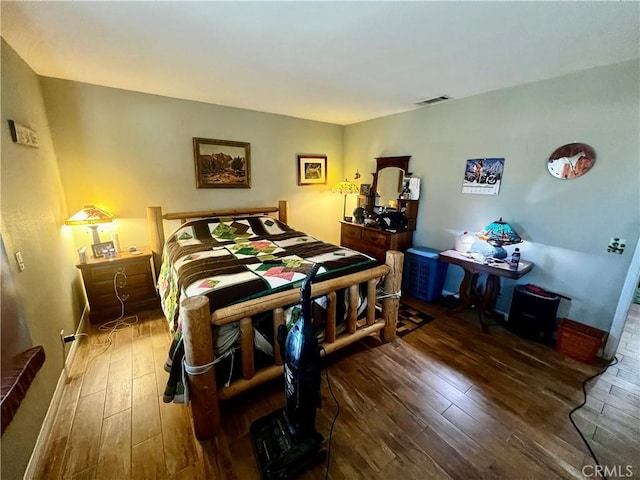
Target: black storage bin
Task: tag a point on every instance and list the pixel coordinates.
(533, 313)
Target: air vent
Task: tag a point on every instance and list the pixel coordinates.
(431, 101)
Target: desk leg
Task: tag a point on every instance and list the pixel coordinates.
(472, 294)
(492, 290)
(468, 291)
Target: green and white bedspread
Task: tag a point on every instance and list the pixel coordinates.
(233, 259)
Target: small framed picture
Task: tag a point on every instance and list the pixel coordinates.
(98, 248)
(365, 189)
(312, 169)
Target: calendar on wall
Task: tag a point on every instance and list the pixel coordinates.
(483, 176)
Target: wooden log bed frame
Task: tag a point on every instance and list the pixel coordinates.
(197, 320)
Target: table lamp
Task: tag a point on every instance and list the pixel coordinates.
(345, 188)
(497, 234)
(91, 216)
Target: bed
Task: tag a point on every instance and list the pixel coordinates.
(202, 294)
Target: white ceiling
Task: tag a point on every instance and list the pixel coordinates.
(338, 62)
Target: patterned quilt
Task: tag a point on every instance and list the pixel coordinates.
(233, 259)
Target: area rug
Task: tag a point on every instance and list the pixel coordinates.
(409, 319)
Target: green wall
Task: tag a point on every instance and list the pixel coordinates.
(566, 224)
(32, 213)
(125, 150)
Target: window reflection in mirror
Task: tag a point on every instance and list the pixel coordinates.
(389, 185)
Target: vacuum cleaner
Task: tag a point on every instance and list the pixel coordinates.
(286, 441)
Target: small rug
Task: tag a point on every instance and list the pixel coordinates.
(409, 319)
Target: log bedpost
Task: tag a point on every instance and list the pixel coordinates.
(283, 211)
(156, 235)
(390, 305)
(198, 351)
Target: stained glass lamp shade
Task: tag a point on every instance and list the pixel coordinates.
(345, 188)
(91, 216)
(498, 234)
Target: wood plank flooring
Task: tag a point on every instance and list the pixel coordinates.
(444, 402)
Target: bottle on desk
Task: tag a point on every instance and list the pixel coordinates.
(515, 259)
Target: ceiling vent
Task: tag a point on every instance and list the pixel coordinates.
(431, 101)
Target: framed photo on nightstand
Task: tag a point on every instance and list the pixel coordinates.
(98, 248)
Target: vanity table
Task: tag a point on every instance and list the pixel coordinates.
(387, 180)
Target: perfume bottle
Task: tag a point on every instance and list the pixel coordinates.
(515, 260)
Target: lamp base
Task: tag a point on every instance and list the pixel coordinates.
(96, 235)
(494, 251)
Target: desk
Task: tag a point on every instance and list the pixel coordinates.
(472, 294)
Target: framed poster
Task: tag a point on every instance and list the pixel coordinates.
(312, 169)
(222, 163)
(483, 176)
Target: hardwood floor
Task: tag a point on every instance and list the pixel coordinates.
(445, 401)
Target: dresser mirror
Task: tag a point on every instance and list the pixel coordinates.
(387, 181)
(389, 185)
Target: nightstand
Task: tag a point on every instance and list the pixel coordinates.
(130, 274)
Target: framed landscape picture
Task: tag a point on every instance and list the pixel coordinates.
(222, 163)
(312, 169)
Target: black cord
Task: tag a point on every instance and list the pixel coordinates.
(335, 417)
(584, 401)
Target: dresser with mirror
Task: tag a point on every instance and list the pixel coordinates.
(388, 194)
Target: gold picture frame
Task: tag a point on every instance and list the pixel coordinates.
(222, 163)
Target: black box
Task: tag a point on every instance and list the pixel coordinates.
(533, 313)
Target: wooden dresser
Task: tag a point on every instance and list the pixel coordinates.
(134, 282)
(373, 241)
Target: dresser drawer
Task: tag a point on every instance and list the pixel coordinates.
(351, 233)
(373, 236)
(372, 242)
(379, 253)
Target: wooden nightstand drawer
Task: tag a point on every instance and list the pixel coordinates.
(122, 284)
(109, 299)
(107, 272)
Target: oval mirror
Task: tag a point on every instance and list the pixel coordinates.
(571, 161)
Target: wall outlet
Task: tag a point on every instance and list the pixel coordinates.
(616, 245)
(66, 338)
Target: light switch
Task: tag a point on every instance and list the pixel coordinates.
(20, 261)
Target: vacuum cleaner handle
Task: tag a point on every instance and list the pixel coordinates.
(305, 289)
(305, 292)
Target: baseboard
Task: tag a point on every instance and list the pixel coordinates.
(47, 424)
